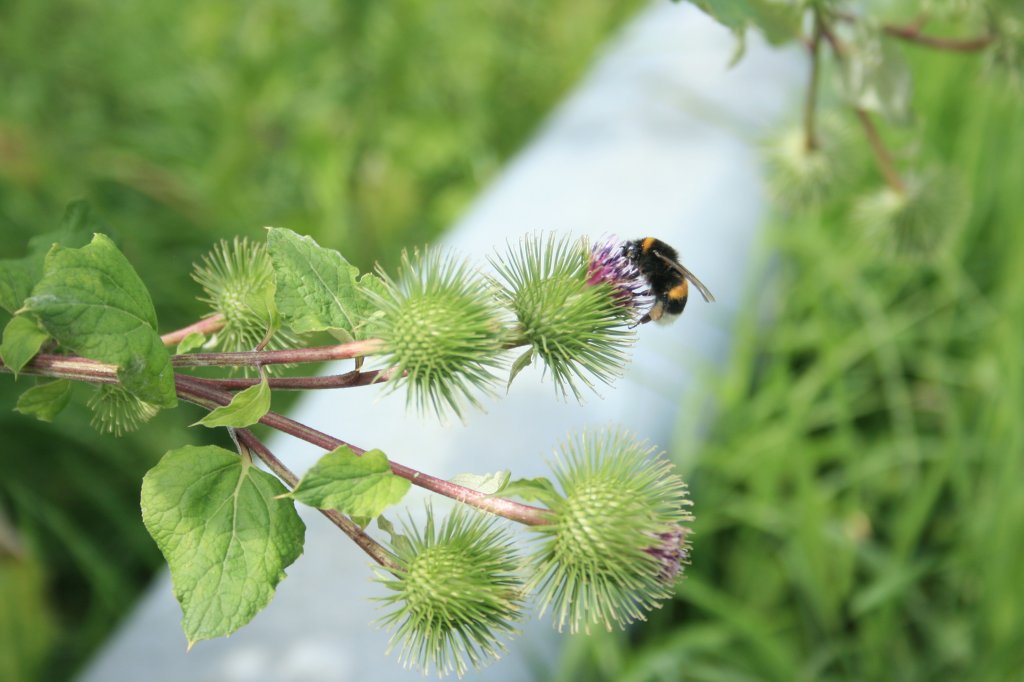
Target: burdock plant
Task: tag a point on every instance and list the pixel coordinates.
(610, 533)
(617, 539)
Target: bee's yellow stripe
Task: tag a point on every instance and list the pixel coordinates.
(647, 244)
(678, 292)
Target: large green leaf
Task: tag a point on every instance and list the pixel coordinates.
(19, 275)
(226, 537)
(352, 484)
(93, 303)
(317, 289)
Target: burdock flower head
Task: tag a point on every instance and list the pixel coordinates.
(618, 539)
(456, 595)
(442, 329)
(608, 264)
(573, 307)
(238, 282)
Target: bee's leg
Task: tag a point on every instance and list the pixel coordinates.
(643, 320)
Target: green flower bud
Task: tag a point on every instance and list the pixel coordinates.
(1007, 52)
(116, 411)
(578, 328)
(619, 536)
(238, 282)
(799, 177)
(457, 592)
(442, 329)
(916, 222)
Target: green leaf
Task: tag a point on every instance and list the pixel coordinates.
(354, 485)
(190, 343)
(317, 288)
(488, 484)
(533, 490)
(875, 76)
(226, 538)
(19, 275)
(45, 401)
(778, 20)
(92, 302)
(22, 340)
(246, 408)
(733, 14)
(399, 543)
(362, 521)
(521, 363)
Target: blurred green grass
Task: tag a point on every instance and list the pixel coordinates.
(858, 493)
(369, 126)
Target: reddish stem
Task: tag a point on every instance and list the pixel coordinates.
(913, 34)
(811, 103)
(207, 325)
(342, 351)
(195, 391)
(882, 155)
(376, 551)
(346, 380)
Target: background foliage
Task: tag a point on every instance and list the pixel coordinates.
(857, 497)
(366, 125)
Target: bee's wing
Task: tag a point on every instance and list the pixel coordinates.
(678, 267)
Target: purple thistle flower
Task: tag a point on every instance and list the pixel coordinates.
(608, 263)
(671, 551)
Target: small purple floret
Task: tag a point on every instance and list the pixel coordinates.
(671, 552)
(608, 263)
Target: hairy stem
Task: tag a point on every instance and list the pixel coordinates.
(201, 392)
(883, 158)
(881, 152)
(195, 391)
(343, 351)
(913, 34)
(207, 325)
(811, 103)
(346, 380)
(69, 367)
(377, 552)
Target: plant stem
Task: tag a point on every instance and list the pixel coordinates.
(201, 392)
(913, 34)
(82, 369)
(811, 103)
(206, 325)
(342, 351)
(69, 367)
(346, 380)
(377, 552)
(881, 152)
(195, 391)
(882, 156)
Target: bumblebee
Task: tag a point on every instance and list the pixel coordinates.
(666, 277)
